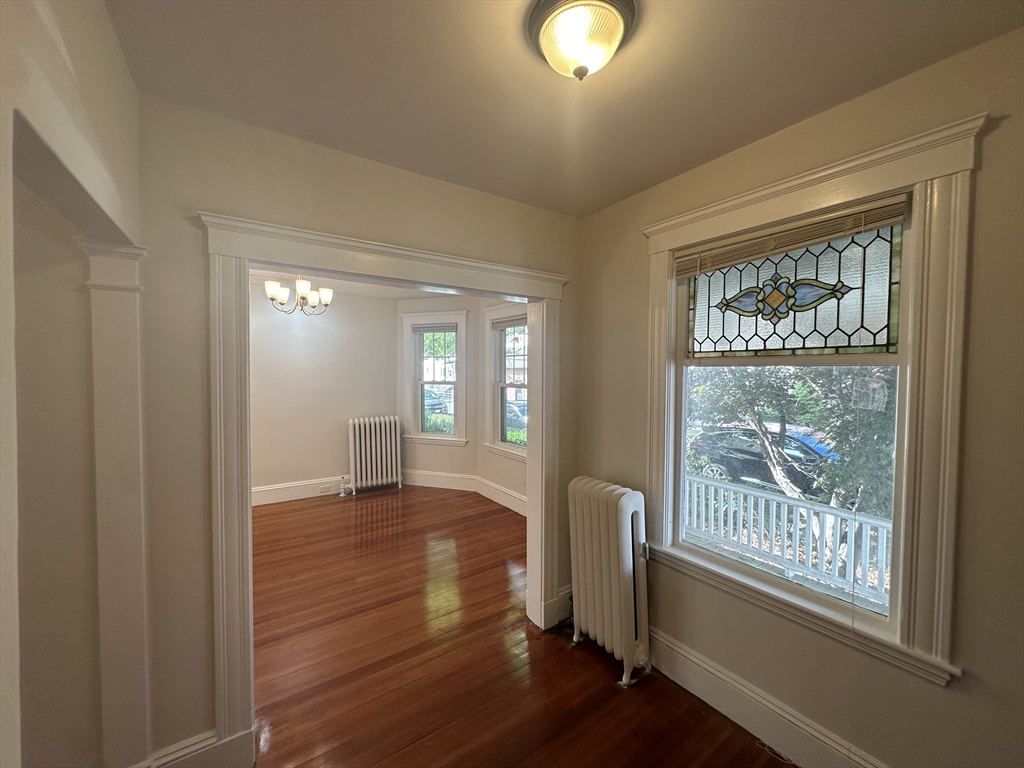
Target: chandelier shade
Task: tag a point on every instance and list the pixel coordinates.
(307, 299)
(578, 37)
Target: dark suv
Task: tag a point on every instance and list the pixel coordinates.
(734, 453)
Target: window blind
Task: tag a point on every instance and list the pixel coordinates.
(449, 328)
(767, 241)
(500, 325)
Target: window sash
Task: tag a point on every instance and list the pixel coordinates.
(421, 333)
(901, 358)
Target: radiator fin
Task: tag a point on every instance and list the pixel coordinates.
(609, 575)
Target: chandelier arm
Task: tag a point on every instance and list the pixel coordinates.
(280, 307)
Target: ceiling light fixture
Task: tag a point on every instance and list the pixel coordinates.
(578, 37)
(307, 300)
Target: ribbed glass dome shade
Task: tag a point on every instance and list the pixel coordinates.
(579, 38)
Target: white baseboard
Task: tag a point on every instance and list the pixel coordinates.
(801, 740)
(204, 751)
(555, 610)
(238, 751)
(456, 482)
(303, 489)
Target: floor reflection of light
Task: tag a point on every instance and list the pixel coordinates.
(262, 735)
(514, 635)
(443, 600)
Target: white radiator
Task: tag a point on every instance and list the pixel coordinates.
(374, 449)
(609, 570)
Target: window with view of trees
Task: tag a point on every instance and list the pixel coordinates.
(437, 372)
(512, 402)
(790, 413)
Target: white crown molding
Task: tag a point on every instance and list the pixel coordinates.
(102, 286)
(229, 224)
(113, 250)
(959, 136)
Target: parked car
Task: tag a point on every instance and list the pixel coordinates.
(433, 403)
(515, 416)
(734, 453)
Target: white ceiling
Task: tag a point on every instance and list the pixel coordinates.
(451, 89)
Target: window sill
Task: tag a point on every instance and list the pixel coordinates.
(438, 440)
(704, 566)
(518, 454)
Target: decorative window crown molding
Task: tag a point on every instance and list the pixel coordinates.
(959, 137)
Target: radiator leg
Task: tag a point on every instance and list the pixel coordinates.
(627, 673)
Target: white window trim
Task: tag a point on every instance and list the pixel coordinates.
(492, 357)
(936, 167)
(410, 390)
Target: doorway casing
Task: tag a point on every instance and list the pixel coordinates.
(235, 246)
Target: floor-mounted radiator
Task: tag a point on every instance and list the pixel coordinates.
(609, 570)
(375, 452)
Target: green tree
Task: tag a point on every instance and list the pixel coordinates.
(852, 409)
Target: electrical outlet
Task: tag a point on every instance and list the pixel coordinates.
(325, 488)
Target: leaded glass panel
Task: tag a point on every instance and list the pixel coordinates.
(832, 297)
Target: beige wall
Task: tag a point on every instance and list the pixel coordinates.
(193, 161)
(56, 494)
(62, 68)
(894, 716)
(309, 376)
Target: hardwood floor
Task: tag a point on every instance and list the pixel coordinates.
(390, 629)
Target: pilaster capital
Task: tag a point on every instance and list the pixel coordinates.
(113, 266)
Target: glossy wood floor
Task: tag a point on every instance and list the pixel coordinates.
(390, 629)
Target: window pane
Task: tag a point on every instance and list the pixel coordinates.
(791, 470)
(439, 356)
(515, 354)
(513, 416)
(836, 295)
(438, 409)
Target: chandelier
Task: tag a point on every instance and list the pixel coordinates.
(307, 300)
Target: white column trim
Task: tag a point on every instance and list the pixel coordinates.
(542, 480)
(114, 284)
(231, 496)
(661, 398)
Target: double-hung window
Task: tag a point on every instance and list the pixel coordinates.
(435, 345)
(789, 400)
(505, 382)
(434, 376)
(806, 354)
(511, 377)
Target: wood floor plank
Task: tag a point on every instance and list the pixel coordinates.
(390, 629)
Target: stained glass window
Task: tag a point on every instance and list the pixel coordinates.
(832, 297)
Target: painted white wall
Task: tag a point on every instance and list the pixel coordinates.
(894, 716)
(56, 493)
(195, 161)
(309, 376)
(61, 67)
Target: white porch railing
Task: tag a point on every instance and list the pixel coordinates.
(844, 550)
